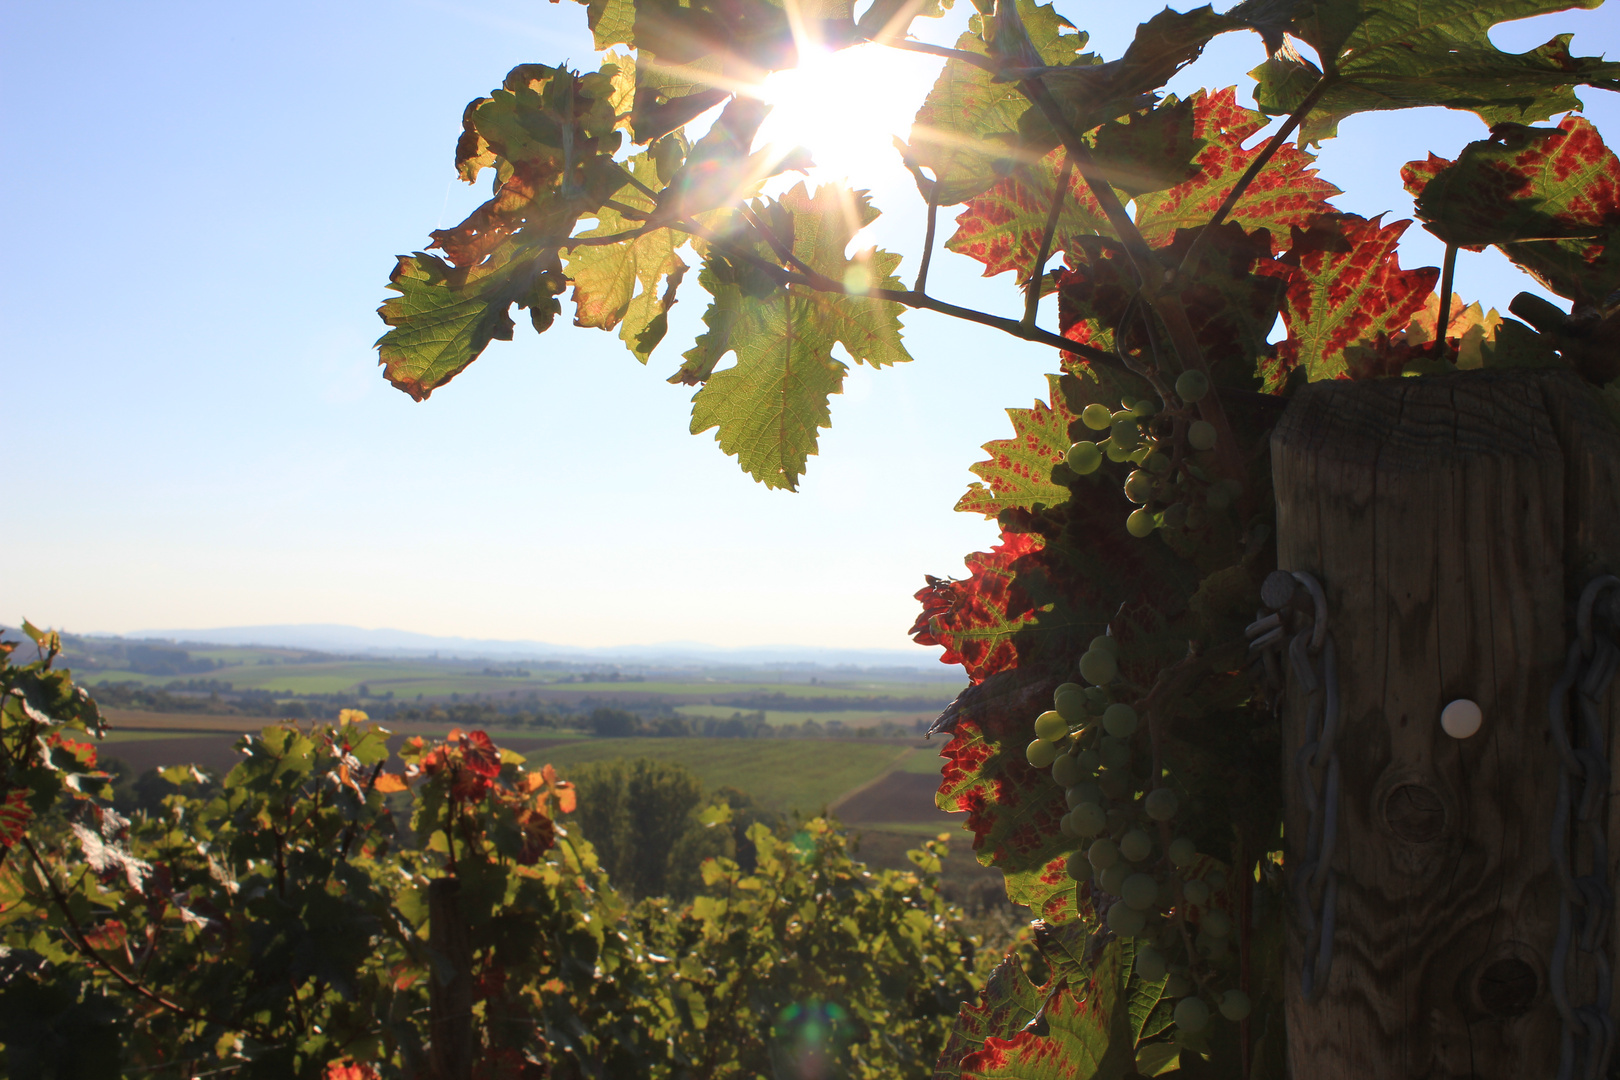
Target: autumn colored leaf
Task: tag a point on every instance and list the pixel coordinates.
(108, 934)
(967, 132)
(1548, 197)
(770, 404)
(1008, 1002)
(15, 814)
(1345, 288)
(387, 783)
(1403, 54)
(975, 618)
(349, 1069)
(1026, 471)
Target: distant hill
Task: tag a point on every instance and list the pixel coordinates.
(352, 640)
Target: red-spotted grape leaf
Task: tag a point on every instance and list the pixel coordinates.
(15, 814)
(1345, 289)
(1008, 1002)
(1550, 198)
(966, 134)
(1088, 1034)
(975, 618)
(1286, 193)
(769, 405)
(1402, 54)
(1003, 227)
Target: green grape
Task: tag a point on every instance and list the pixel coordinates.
(1177, 984)
(1105, 642)
(1112, 879)
(1157, 463)
(1078, 868)
(1116, 451)
(1141, 453)
(1083, 793)
(1196, 892)
(1235, 1005)
(1050, 726)
(1103, 853)
(1084, 457)
(1041, 753)
(1089, 819)
(1070, 706)
(1174, 516)
(1140, 523)
(1136, 845)
(1099, 667)
(1066, 771)
(1139, 891)
(1068, 826)
(1119, 720)
(1088, 761)
(1096, 416)
(1124, 432)
(1195, 517)
(1144, 407)
(1139, 486)
(1126, 921)
(1151, 965)
(1201, 435)
(1216, 923)
(1115, 753)
(1182, 851)
(1191, 1015)
(1162, 804)
(1191, 386)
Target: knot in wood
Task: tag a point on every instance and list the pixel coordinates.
(1507, 987)
(1414, 813)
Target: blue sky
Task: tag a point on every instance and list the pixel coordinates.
(203, 204)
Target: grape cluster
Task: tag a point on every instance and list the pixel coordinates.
(1169, 483)
(1155, 891)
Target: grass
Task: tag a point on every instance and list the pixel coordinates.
(774, 717)
(923, 759)
(785, 775)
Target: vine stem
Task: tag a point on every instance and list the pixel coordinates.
(1037, 271)
(1442, 317)
(928, 240)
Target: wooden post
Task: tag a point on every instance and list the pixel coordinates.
(450, 1046)
(1451, 520)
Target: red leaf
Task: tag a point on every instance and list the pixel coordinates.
(15, 813)
(975, 618)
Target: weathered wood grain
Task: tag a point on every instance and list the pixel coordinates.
(1451, 520)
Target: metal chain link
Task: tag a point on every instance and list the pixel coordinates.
(1586, 902)
(1314, 663)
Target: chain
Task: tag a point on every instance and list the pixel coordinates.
(1314, 664)
(1586, 900)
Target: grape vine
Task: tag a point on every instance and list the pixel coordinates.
(1141, 823)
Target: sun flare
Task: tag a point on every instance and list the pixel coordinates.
(846, 107)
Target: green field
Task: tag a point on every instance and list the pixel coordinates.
(804, 775)
(774, 717)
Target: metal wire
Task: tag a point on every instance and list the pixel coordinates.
(1579, 839)
(1313, 661)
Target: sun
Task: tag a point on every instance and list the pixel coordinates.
(846, 107)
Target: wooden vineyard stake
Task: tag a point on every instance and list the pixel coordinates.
(449, 1000)
(1452, 521)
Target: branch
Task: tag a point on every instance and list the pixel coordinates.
(1189, 262)
(1037, 272)
(949, 54)
(928, 239)
(1442, 318)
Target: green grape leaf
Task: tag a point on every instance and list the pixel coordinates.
(967, 131)
(1402, 54)
(1088, 1032)
(1345, 289)
(769, 406)
(1026, 471)
(1549, 198)
(617, 284)
(1008, 1002)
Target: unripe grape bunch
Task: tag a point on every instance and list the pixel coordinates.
(1146, 882)
(1169, 453)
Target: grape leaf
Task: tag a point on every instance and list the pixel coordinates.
(1003, 227)
(967, 131)
(1088, 1033)
(1345, 288)
(770, 404)
(1026, 471)
(1402, 54)
(1008, 1002)
(618, 284)
(15, 814)
(1550, 198)
(974, 619)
